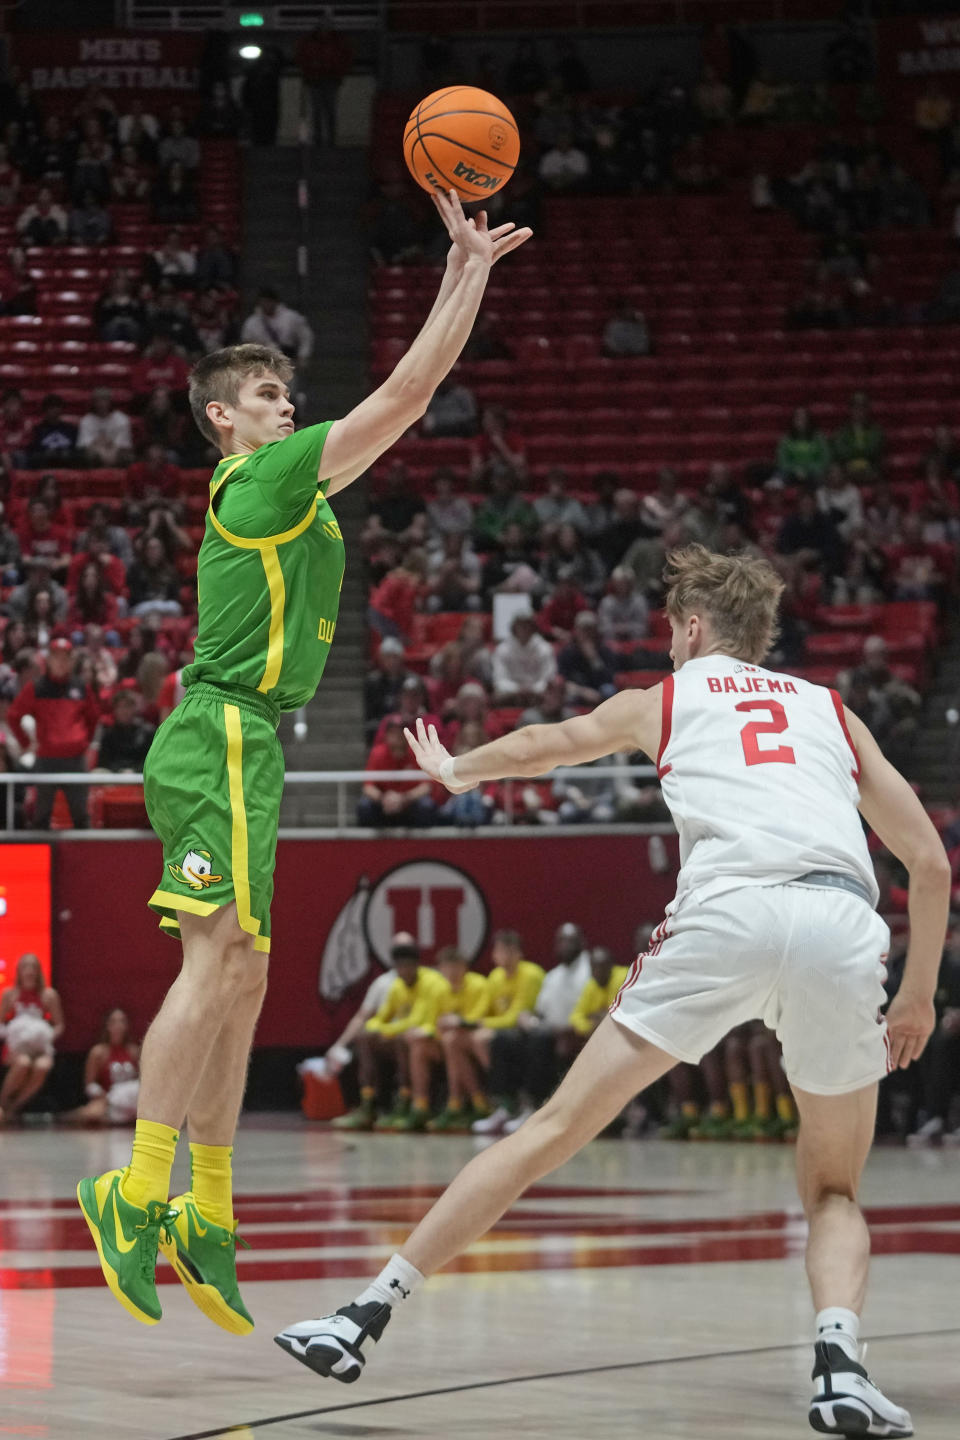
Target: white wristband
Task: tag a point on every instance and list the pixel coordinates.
(448, 776)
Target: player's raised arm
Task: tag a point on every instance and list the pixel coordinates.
(377, 422)
(629, 721)
(892, 810)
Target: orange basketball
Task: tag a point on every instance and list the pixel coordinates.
(461, 139)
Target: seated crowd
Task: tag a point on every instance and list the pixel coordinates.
(98, 592)
(572, 579)
(450, 1048)
(97, 614)
(672, 137)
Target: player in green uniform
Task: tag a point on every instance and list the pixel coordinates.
(269, 575)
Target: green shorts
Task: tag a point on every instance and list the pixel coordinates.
(213, 781)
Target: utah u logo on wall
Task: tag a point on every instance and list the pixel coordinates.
(438, 903)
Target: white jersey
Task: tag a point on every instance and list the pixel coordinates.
(760, 775)
(377, 992)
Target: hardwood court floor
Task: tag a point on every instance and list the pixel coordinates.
(647, 1288)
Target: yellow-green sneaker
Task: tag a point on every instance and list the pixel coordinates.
(126, 1237)
(204, 1255)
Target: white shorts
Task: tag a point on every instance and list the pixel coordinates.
(807, 961)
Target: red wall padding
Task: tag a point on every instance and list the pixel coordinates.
(108, 950)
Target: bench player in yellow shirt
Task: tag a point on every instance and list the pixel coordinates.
(459, 1006)
(599, 993)
(410, 1002)
(513, 986)
(269, 575)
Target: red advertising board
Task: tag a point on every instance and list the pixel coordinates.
(66, 62)
(336, 905)
(24, 907)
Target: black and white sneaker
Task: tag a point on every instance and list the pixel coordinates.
(846, 1401)
(333, 1345)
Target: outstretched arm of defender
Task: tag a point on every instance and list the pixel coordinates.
(629, 721)
(377, 422)
(893, 811)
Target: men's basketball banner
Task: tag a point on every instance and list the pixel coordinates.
(68, 62)
(915, 49)
(338, 904)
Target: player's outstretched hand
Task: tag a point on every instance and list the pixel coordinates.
(430, 755)
(910, 1023)
(470, 235)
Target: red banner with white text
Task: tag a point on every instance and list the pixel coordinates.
(337, 903)
(60, 65)
(912, 50)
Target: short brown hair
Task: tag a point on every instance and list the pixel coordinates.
(218, 376)
(450, 955)
(738, 593)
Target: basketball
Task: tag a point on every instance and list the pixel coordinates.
(462, 139)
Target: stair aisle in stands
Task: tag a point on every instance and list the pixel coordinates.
(335, 379)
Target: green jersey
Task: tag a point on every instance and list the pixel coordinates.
(269, 573)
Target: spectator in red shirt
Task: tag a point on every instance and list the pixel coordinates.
(472, 708)
(111, 568)
(48, 488)
(394, 802)
(413, 704)
(159, 365)
(171, 692)
(324, 58)
(153, 581)
(496, 443)
(446, 676)
(556, 617)
(94, 603)
(131, 180)
(161, 424)
(41, 540)
(213, 320)
(119, 313)
(66, 714)
(103, 538)
(394, 601)
(153, 476)
(15, 430)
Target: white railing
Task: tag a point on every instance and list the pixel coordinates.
(342, 779)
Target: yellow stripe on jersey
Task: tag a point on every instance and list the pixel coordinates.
(271, 565)
(244, 542)
(237, 462)
(238, 810)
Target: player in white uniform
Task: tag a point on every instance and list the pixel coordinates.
(773, 919)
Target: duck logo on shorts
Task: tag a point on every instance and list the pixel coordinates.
(196, 870)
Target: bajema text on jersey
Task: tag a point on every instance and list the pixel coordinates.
(749, 685)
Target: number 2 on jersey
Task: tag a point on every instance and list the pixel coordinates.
(776, 725)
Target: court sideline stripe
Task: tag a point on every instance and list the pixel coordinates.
(542, 1375)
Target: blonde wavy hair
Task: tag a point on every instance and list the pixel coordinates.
(739, 595)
